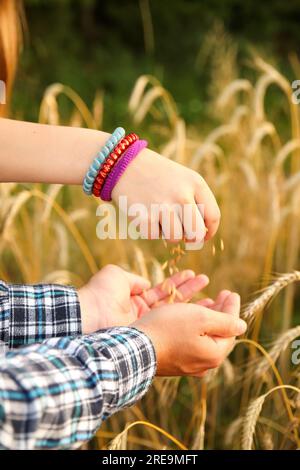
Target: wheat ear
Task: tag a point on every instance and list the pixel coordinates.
(252, 415)
(271, 291)
(280, 345)
(249, 423)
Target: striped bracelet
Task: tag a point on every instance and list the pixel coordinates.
(100, 159)
(110, 162)
(117, 171)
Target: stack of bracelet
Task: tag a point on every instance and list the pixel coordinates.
(111, 162)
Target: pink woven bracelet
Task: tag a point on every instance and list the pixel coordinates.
(118, 170)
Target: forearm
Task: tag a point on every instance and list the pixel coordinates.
(56, 395)
(31, 153)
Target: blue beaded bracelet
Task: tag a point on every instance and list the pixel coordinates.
(100, 158)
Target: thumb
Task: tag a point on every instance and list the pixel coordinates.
(232, 304)
(221, 324)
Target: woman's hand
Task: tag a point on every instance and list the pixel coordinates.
(153, 179)
(115, 297)
(190, 339)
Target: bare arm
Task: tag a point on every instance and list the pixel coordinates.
(31, 153)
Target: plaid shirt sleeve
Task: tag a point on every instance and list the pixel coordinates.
(31, 313)
(55, 395)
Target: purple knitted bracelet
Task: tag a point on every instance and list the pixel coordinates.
(118, 170)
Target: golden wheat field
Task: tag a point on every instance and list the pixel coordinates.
(48, 233)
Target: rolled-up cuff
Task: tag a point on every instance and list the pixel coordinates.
(33, 313)
(133, 356)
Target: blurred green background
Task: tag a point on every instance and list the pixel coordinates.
(106, 45)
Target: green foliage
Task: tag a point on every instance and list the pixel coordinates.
(90, 45)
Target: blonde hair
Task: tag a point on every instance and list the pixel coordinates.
(10, 42)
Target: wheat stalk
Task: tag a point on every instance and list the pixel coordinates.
(49, 107)
(292, 183)
(167, 388)
(249, 174)
(264, 130)
(232, 430)
(207, 149)
(118, 439)
(139, 89)
(232, 89)
(267, 441)
(142, 100)
(288, 148)
(200, 435)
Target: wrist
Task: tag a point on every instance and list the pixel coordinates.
(154, 338)
(89, 144)
(139, 167)
(87, 309)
